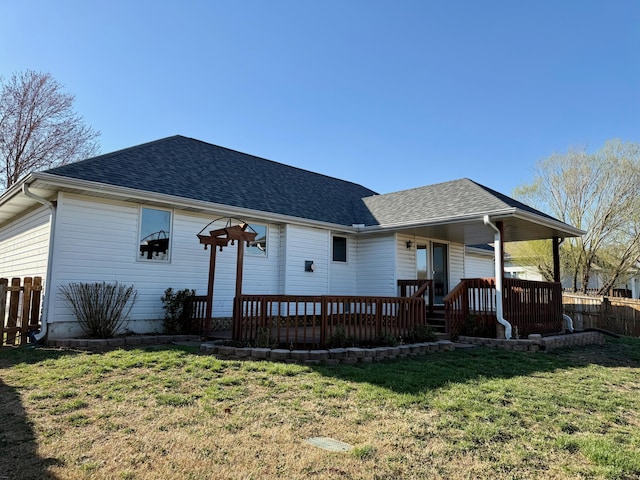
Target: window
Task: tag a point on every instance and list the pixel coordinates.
(259, 246)
(339, 249)
(155, 235)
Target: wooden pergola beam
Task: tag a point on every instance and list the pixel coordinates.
(218, 239)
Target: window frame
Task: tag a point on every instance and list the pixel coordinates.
(333, 248)
(255, 252)
(142, 258)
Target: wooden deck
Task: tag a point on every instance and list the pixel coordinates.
(290, 320)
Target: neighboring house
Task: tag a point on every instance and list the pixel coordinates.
(132, 216)
(479, 261)
(630, 285)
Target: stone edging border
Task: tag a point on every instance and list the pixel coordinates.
(129, 341)
(335, 356)
(537, 342)
(332, 356)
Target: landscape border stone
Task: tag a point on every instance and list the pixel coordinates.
(335, 356)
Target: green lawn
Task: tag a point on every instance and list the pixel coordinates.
(172, 413)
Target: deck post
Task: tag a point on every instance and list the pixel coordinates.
(556, 259)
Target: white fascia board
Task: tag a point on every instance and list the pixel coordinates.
(391, 227)
(550, 223)
(506, 213)
(14, 190)
(144, 196)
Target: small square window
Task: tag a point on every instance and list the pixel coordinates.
(259, 246)
(155, 235)
(339, 249)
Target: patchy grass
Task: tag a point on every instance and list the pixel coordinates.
(171, 413)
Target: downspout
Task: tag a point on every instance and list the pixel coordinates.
(42, 334)
(497, 246)
(569, 321)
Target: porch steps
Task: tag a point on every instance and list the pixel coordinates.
(436, 320)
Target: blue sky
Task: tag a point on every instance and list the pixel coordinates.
(388, 94)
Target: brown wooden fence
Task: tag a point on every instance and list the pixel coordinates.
(618, 315)
(315, 320)
(19, 309)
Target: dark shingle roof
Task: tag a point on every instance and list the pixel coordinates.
(457, 198)
(189, 168)
(192, 169)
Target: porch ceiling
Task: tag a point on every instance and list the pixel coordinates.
(518, 227)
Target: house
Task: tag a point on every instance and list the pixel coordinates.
(132, 216)
(628, 286)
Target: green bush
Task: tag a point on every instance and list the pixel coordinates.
(386, 340)
(475, 326)
(177, 310)
(100, 308)
(264, 338)
(340, 339)
(423, 333)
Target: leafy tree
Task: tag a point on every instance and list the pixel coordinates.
(597, 192)
(38, 126)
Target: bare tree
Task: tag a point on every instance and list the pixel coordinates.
(38, 126)
(599, 193)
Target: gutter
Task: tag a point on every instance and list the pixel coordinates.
(88, 187)
(497, 247)
(42, 334)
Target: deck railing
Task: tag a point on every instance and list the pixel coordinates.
(317, 320)
(198, 320)
(418, 288)
(530, 307)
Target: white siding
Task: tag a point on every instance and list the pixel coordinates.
(306, 244)
(377, 265)
(406, 257)
(456, 264)
(24, 245)
(344, 275)
(478, 266)
(97, 241)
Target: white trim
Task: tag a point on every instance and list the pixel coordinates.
(199, 206)
(140, 258)
(346, 249)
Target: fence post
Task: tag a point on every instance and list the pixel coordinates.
(26, 307)
(34, 316)
(3, 307)
(14, 301)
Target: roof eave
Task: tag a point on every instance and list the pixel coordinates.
(551, 223)
(15, 189)
(398, 227)
(559, 229)
(145, 196)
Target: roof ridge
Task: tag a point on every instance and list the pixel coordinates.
(428, 186)
(114, 153)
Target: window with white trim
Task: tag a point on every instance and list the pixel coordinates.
(155, 235)
(339, 249)
(259, 246)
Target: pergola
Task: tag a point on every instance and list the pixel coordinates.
(218, 239)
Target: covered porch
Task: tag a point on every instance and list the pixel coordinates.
(490, 306)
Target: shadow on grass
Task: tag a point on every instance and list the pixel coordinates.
(421, 374)
(19, 459)
(30, 354)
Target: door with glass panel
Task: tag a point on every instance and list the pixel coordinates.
(440, 262)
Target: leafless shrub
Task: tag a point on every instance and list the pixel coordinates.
(101, 308)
